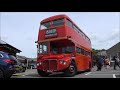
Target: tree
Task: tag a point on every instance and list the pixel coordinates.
(103, 50)
(94, 52)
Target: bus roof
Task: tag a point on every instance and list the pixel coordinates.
(55, 17)
(61, 16)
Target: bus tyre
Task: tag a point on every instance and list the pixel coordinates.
(42, 73)
(71, 70)
(1, 74)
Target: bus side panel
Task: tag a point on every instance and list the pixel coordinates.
(80, 62)
(86, 63)
(41, 35)
(77, 37)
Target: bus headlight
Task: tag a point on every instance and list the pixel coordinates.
(40, 63)
(63, 62)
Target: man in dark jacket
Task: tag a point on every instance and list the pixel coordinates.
(116, 62)
(99, 63)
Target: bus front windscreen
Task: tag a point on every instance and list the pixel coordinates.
(58, 22)
(43, 48)
(45, 25)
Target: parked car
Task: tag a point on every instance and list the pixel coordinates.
(9, 65)
(33, 66)
(19, 67)
(6, 65)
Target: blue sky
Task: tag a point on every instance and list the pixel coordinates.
(20, 29)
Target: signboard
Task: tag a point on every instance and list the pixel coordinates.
(51, 33)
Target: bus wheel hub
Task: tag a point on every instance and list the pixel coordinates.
(71, 68)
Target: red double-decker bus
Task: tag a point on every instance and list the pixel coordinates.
(62, 47)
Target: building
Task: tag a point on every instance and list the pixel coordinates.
(5, 47)
(29, 62)
(22, 59)
(33, 63)
(114, 51)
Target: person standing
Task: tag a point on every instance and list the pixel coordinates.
(107, 62)
(116, 63)
(99, 63)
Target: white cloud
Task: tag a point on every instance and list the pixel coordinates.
(105, 40)
(94, 36)
(111, 36)
(4, 37)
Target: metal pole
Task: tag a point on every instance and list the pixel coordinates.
(27, 63)
(0, 26)
(119, 26)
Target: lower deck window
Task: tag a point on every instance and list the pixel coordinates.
(68, 49)
(43, 48)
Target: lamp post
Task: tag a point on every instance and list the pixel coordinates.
(119, 26)
(0, 26)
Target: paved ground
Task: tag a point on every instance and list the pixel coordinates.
(105, 73)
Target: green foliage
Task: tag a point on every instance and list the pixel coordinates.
(95, 52)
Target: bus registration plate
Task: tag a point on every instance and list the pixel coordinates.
(49, 71)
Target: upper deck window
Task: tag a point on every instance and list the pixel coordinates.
(87, 39)
(69, 23)
(58, 22)
(45, 25)
(76, 29)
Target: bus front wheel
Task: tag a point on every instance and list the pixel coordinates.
(71, 70)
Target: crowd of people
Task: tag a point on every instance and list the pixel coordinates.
(106, 62)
